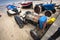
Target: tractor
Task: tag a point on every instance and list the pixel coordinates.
(49, 9)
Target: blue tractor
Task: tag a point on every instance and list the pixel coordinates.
(48, 8)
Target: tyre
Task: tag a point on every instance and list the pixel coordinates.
(53, 11)
(48, 13)
(34, 35)
(19, 21)
(39, 8)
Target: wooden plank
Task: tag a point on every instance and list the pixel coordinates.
(52, 29)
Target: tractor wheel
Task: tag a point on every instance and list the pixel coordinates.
(37, 9)
(19, 21)
(54, 11)
(48, 13)
(34, 35)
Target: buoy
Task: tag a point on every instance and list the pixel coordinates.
(51, 20)
(41, 21)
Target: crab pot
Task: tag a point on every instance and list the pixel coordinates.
(38, 8)
(48, 13)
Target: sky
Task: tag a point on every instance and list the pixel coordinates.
(3, 2)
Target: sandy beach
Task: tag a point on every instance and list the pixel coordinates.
(9, 30)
